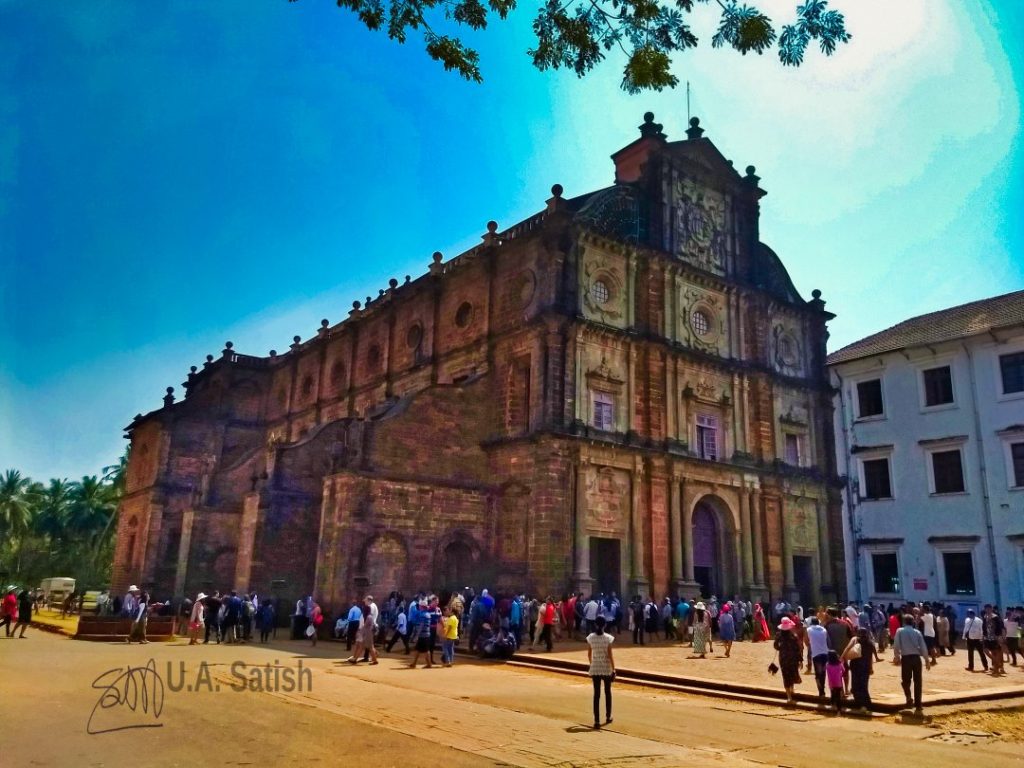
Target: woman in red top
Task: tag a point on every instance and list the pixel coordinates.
(894, 624)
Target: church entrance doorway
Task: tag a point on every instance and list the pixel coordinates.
(457, 566)
(803, 577)
(705, 550)
(605, 564)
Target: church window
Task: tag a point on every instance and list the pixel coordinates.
(414, 337)
(600, 292)
(707, 437)
(1011, 368)
(793, 449)
(464, 314)
(307, 386)
(700, 322)
(604, 411)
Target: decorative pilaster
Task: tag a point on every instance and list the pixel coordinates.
(583, 581)
(757, 526)
(827, 588)
(747, 541)
(788, 587)
(638, 583)
(675, 527)
(184, 548)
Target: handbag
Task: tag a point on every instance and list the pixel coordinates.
(773, 668)
(854, 652)
(310, 630)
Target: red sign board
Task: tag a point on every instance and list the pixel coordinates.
(921, 585)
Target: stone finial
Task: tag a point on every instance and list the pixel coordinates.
(169, 397)
(392, 283)
(324, 323)
(435, 266)
(380, 293)
(295, 341)
(408, 279)
(228, 345)
(555, 202)
(651, 128)
(491, 238)
(355, 308)
(273, 353)
(694, 131)
(368, 300)
(209, 361)
(816, 301)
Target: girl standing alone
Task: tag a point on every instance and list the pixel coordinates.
(602, 669)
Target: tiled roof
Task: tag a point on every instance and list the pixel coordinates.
(935, 327)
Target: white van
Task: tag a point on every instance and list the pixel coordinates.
(56, 589)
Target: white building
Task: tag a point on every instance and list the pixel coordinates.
(929, 422)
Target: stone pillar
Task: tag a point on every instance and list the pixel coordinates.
(675, 527)
(747, 540)
(581, 578)
(757, 525)
(247, 540)
(184, 548)
(638, 584)
(827, 588)
(788, 587)
(688, 586)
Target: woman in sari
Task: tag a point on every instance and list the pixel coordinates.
(701, 631)
(761, 632)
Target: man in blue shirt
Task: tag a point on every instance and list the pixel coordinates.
(910, 648)
(355, 615)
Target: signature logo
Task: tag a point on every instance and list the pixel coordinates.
(131, 697)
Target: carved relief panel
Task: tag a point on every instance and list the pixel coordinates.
(786, 347)
(607, 500)
(702, 320)
(603, 288)
(701, 225)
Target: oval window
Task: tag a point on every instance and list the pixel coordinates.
(464, 314)
(415, 336)
(700, 322)
(600, 292)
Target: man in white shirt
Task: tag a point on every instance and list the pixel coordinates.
(928, 630)
(590, 611)
(973, 633)
(817, 642)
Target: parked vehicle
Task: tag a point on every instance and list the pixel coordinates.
(56, 590)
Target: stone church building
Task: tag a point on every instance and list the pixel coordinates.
(623, 392)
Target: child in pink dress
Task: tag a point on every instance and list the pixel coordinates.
(834, 675)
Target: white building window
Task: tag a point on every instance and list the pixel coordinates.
(885, 573)
(875, 478)
(958, 571)
(869, 399)
(707, 437)
(946, 471)
(604, 411)
(1011, 372)
(937, 386)
(1015, 463)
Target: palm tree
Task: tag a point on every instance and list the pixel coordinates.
(54, 507)
(17, 504)
(92, 506)
(115, 474)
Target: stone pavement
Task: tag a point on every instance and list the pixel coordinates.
(748, 665)
(473, 714)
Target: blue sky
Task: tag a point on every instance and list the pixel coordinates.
(175, 175)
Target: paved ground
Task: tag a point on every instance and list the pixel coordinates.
(748, 664)
(472, 714)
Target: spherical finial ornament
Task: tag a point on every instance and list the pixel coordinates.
(209, 358)
(694, 122)
(368, 300)
(228, 345)
(273, 353)
(393, 283)
(648, 117)
(408, 278)
(492, 226)
(556, 190)
(380, 292)
(437, 257)
(192, 369)
(356, 304)
(815, 294)
(296, 339)
(324, 323)
(751, 170)
(170, 390)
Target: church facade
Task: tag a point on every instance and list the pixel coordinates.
(623, 392)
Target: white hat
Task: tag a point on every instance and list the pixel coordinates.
(200, 596)
(133, 588)
(699, 607)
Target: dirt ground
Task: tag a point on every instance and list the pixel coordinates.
(1004, 724)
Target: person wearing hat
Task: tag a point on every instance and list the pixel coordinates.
(197, 620)
(701, 631)
(130, 604)
(727, 628)
(790, 656)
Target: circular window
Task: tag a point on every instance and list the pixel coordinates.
(373, 357)
(464, 314)
(337, 372)
(415, 336)
(700, 322)
(600, 292)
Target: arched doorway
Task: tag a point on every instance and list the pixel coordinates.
(706, 549)
(456, 566)
(384, 564)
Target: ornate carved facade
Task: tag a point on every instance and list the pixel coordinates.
(623, 392)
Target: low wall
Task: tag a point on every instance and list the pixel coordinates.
(117, 628)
